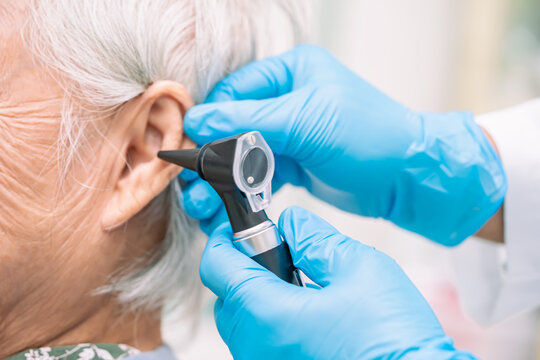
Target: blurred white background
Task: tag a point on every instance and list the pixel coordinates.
(434, 55)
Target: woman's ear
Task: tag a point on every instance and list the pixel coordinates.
(145, 125)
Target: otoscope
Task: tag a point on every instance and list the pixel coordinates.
(240, 168)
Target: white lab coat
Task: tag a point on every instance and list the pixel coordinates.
(499, 281)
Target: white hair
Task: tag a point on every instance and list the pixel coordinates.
(107, 52)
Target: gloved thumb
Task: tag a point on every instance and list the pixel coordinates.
(224, 269)
(318, 249)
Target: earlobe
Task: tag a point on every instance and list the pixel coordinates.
(145, 125)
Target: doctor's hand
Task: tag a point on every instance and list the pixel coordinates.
(366, 307)
(352, 146)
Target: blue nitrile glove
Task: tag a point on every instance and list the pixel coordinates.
(367, 308)
(354, 147)
(202, 202)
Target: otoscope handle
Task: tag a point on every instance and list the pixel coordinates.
(264, 245)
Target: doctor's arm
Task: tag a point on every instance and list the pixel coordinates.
(365, 308)
(499, 281)
(493, 229)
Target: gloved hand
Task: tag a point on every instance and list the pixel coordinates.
(201, 201)
(367, 308)
(354, 147)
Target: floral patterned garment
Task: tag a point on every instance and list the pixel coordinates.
(78, 352)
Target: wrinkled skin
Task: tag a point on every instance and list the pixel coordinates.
(58, 244)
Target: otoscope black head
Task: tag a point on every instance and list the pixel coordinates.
(239, 168)
(184, 158)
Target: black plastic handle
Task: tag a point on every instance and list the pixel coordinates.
(278, 260)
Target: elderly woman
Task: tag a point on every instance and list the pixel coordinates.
(93, 245)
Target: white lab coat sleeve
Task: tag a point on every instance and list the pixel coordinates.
(498, 281)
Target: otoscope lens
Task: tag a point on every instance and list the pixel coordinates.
(254, 167)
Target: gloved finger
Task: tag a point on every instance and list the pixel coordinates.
(274, 76)
(208, 226)
(224, 269)
(277, 184)
(218, 305)
(280, 173)
(200, 200)
(208, 122)
(312, 286)
(288, 171)
(188, 175)
(318, 249)
(185, 178)
(258, 80)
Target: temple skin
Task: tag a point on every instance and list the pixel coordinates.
(59, 243)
